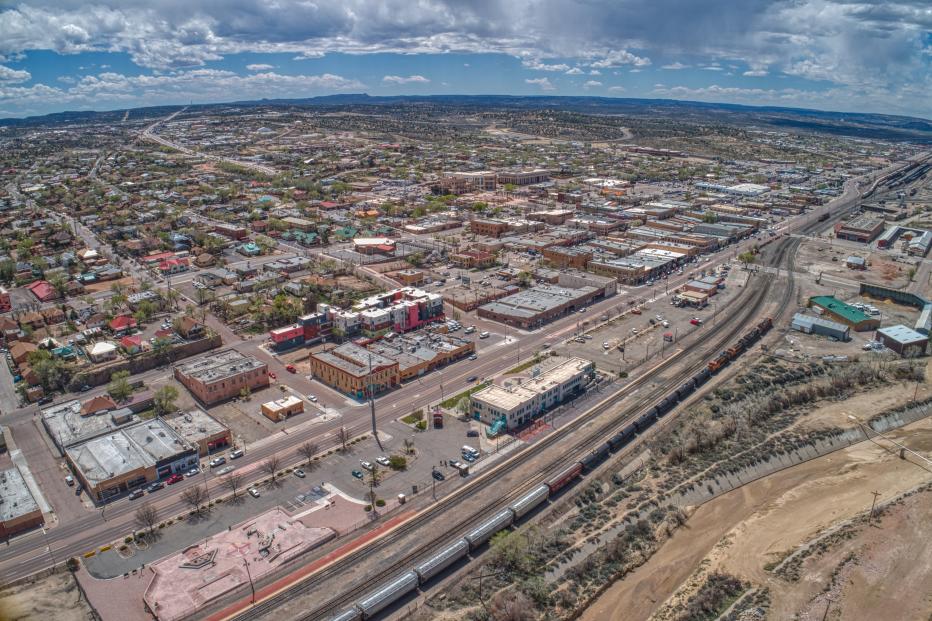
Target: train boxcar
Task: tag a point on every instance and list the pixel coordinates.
(350, 614)
(765, 325)
(484, 531)
(441, 560)
(701, 377)
(387, 594)
(596, 457)
(563, 479)
(529, 501)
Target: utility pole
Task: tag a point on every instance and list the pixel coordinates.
(873, 504)
(252, 586)
(375, 431)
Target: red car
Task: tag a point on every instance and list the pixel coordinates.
(636, 311)
(174, 479)
(290, 368)
(272, 375)
(695, 321)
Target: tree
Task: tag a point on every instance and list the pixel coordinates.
(397, 462)
(60, 284)
(343, 438)
(409, 446)
(308, 450)
(161, 347)
(233, 482)
(165, 399)
(747, 258)
(709, 217)
(147, 517)
(524, 278)
(271, 466)
(512, 605)
(510, 551)
(911, 273)
(119, 387)
(195, 497)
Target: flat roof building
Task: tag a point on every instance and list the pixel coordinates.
(202, 430)
(539, 305)
(222, 375)
(112, 464)
(283, 408)
(66, 424)
(518, 404)
(19, 511)
(355, 370)
(904, 340)
(860, 229)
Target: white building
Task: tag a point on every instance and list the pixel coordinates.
(521, 403)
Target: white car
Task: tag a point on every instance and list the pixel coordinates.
(383, 460)
(254, 492)
(365, 464)
(312, 398)
(605, 345)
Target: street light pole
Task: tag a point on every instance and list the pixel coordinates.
(252, 586)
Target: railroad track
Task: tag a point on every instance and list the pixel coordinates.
(726, 331)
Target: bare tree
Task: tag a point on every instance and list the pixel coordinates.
(409, 446)
(195, 497)
(512, 606)
(233, 482)
(147, 517)
(308, 450)
(271, 466)
(343, 437)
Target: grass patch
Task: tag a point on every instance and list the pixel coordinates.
(452, 401)
(524, 366)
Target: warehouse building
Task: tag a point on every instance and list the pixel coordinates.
(904, 340)
(519, 404)
(19, 511)
(222, 375)
(130, 457)
(539, 305)
(860, 229)
(66, 423)
(822, 327)
(836, 310)
(355, 371)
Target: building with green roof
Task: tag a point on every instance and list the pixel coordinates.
(837, 310)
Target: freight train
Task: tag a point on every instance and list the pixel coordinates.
(374, 602)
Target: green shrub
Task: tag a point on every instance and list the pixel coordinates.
(379, 502)
(367, 508)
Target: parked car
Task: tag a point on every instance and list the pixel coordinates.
(299, 473)
(366, 464)
(312, 398)
(695, 321)
(472, 433)
(192, 472)
(382, 460)
(357, 474)
(217, 461)
(605, 345)
(69, 480)
(272, 375)
(254, 492)
(136, 493)
(237, 453)
(636, 311)
(438, 475)
(469, 330)
(483, 335)
(174, 479)
(473, 357)
(155, 487)
(290, 368)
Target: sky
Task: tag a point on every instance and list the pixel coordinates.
(841, 55)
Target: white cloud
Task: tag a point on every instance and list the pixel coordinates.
(308, 55)
(675, 66)
(711, 68)
(201, 85)
(616, 89)
(13, 76)
(543, 83)
(595, 72)
(617, 58)
(591, 84)
(398, 79)
(575, 71)
(260, 67)
(755, 73)
(537, 65)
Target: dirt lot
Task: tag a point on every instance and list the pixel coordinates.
(245, 418)
(816, 256)
(53, 597)
(759, 524)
